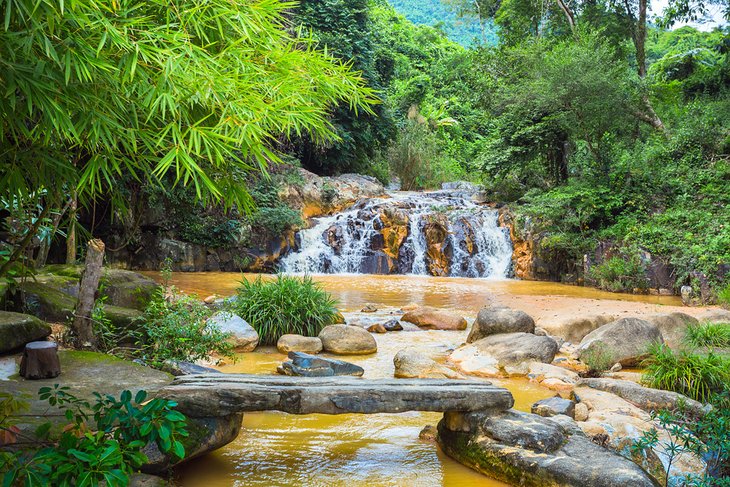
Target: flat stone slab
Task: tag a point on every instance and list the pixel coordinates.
(223, 394)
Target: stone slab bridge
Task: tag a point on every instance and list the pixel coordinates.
(217, 395)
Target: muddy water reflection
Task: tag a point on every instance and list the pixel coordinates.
(276, 449)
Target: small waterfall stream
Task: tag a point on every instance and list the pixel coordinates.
(439, 233)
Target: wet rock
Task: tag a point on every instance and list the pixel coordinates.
(377, 328)
(428, 433)
(673, 327)
(435, 319)
(625, 341)
(392, 325)
(212, 299)
(178, 368)
(206, 434)
(439, 252)
(243, 336)
(493, 321)
(299, 343)
(17, 329)
(616, 368)
(491, 356)
(369, 308)
(347, 340)
(528, 450)
(575, 329)
(422, 363)
(552, 406)
(645, 398)
(305, 365)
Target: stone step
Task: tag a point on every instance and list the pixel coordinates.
(206, 395)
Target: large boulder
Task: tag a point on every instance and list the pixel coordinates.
(305, 365)
(435, 319)
(17, 329)
(493, 321)
(646, 398)
(619, 424)
(715, 316)
(576, 328)
(421, 363)
(532, 451)
(625, 341)
(673, 327)
(298, 343)
(51, 304)
(122, 288)
(506, 353)
(347, 340)
(243, 336)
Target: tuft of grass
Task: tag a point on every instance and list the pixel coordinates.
(285, 305)
(697, 376)
(711, 335)
(723, 297)
(598, 359)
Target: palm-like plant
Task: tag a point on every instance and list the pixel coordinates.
(91, 91)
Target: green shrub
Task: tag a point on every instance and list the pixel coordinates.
(285, 305)
(723, 297)
(598, 359)
(619, 274)
(706, 436)
(111, 452)
(697, 376)
(712, 335)
(275, 221)
(178, 329)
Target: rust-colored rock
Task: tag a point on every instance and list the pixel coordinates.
(435, 319)
(438, 246)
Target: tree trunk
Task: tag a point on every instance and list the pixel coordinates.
(83, 325)
(568, 15)
(71, 236)
(639, 34)
(40, 361)
(45, 246)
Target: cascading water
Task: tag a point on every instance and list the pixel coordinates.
(409, 233)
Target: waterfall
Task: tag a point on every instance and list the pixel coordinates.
(435, 233)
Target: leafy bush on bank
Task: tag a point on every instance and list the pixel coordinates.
(285, 305)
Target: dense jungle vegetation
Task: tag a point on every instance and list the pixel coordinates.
(594, 120)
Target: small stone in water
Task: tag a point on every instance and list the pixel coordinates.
(377, 328)
(616, 367)
(428, 433)
(369, 308)
(392, 325)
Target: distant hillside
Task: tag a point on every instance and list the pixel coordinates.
(435, 13)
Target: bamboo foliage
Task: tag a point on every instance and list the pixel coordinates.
(93, 90)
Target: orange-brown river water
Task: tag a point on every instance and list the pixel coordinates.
(277, 449)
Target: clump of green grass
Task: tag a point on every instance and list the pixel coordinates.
(285, 305)
(711, 335)
(696, 375)
(598, 359)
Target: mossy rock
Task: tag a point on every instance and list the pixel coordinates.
(50, 304)
(17, 329)
(121, 287)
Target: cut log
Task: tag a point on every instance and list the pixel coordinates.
(82, 325)
(40, 361)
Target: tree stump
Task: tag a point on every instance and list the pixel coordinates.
(40, 361)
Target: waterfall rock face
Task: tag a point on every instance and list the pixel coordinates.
(439, 234)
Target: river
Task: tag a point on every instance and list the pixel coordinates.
(277, 449)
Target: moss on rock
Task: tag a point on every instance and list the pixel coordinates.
(17, 329)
